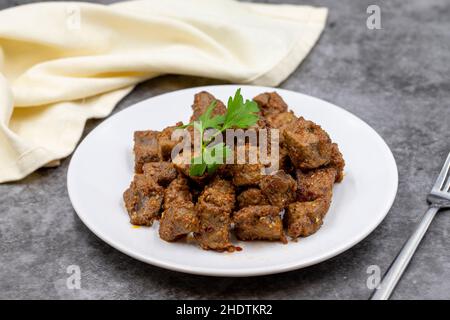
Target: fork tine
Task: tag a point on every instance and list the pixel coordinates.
(447, 185)
(442, 175)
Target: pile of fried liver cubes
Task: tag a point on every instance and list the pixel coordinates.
(237, 197)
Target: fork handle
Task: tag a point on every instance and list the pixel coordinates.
(400, 263)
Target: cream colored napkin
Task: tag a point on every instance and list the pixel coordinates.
(63, 63)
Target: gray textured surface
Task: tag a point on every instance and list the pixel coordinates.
(396, 79)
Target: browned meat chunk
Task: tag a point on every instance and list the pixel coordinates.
(259, 223)
(247, 171)
(166, 143)
(146, 148)
(280, 188)
(315, 184)
(219, 193)
(214, 232)
(260, 124)
(202, 101)
(184, 168)
(251, 197)
(280, 120)
(213, 208)
(308, 145)
(177, 191)
(143, 200)
(177, 221)
(247, 174)
(179, 217)
(270, 102)
(162, 172)
(284, 162)
(337, 162)
(305, 218)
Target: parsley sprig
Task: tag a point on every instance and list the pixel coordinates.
(240, 114)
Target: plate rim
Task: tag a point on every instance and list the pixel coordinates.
(260, 271)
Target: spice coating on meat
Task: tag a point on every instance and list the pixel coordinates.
(162, 172)
(219, 193)
(315, 184)
(177, 191)
(202, 101)
(143, 200)
(179, 217)
(251, 197)
(247, 174)
(259, 223)
(165, 142)
(270, 102)
(178, 220)
(308, 145)
(305, 218)
(280, 188)
(214, 208)
(247, 170)
(146, 148)
(280, 121)
(337, 162)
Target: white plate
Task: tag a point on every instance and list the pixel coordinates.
(102, 167)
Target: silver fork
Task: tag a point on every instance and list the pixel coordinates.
(439, 198)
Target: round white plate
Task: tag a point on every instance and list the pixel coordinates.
(102, 168)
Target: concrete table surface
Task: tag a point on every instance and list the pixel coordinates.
(395, 78)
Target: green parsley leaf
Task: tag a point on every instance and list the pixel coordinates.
(239, 114)
(196, 168)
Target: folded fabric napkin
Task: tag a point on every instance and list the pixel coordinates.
(63, 63)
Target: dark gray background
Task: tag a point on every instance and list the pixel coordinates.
(396, 79)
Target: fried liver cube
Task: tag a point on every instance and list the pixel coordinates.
(219, 193)
(270, 103)
(259, 223)
(246, 170)
(214, 208)
(179, 217)
(177, 191)
(178, 220)
(337, 162)
(202, 101)
(279, 188)
(143, 200)
(280, 120)
(315, 184)
(272, 164)
(165, 142)
(183, 168)
(146, 148)
(162, 172)
(308, 145)
(251, 197)
(247, 174)
(302, 219)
